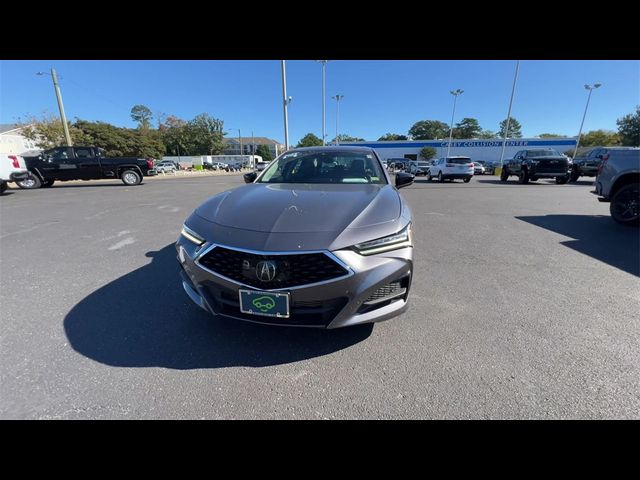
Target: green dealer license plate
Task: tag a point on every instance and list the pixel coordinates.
(268, 304)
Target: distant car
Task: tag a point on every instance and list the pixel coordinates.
(478, 167)
(261, 166)
(418, 168)
(12, 169)
(451, 168)
(536, 163)
(618, 182)
(398, 164)
(165, 166)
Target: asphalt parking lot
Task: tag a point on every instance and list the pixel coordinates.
(524, 304)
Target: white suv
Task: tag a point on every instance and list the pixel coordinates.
(166, 166)
(450, 168)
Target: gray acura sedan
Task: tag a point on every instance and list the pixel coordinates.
(320, 238)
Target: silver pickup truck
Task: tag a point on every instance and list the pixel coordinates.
(618, 182)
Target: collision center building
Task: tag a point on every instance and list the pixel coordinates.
(488, 150)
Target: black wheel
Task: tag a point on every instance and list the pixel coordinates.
(48, 183)
(467, 180)
(562, 180)
(440, 177)
(523, 176)
(504, 175)
(30, 183)
(625, 205)
(131, 177)
(3, 187)
(575, 174)
(533, 179)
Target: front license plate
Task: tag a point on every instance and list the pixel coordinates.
(267, 304)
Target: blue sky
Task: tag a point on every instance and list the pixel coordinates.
(379, 96)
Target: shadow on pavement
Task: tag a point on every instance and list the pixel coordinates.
(144, 319)
(597, 236)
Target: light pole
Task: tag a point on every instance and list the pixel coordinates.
(285, 103)
(590, 88)
(324, 83)
(455, 94)
(337, 98)
(63, 117)
(506, 130)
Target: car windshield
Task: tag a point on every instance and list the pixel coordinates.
(337, 166)
(423, 164)
(543, 153)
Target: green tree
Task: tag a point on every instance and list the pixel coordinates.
(629, 129)
(429, 130)
(428, 153)
(173, 132)
(309, 140)
(204, 134)
(388, 137)
(550, 135)
(118, 141)
(47, 132)
(602, 138)
(265, 152)
(467, 128)
(515, 129)
(487, 134)
(347, 138)
(142, 114)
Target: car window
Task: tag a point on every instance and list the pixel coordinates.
(324, 167)
(83, 153)
(459, 161)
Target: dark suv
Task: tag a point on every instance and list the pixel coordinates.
(536, 163)
(587, 163)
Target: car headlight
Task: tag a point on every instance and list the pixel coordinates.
(191, 235)
(385, 244)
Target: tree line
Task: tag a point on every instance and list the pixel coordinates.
(201, 135)
(628, 133)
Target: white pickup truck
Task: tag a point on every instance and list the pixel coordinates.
(12, 169)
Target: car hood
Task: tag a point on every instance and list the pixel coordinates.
(548, 157)
(302, 208)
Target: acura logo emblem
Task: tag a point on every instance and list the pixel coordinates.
(266, 271)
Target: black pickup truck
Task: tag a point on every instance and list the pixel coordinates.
(535, 163)
(82, 163)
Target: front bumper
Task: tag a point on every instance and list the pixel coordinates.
(336, 303)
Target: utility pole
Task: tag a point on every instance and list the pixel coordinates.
(455, 94)
(590, 88)
(285, 103)
(63, 117)
(506, 130)
(337, 98)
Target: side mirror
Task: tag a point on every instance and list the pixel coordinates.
(404, 179)
(250, 177)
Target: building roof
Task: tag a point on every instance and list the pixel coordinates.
(249, 140)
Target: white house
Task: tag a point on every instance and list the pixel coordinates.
(13, 141)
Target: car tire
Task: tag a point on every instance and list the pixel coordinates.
(30, 183)
(131, 178)
(562, 180)
(575, 174)
(504, 175)
(625, 205)
(467, 180)
(440, 177)
(523, 176)
(48, 183)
